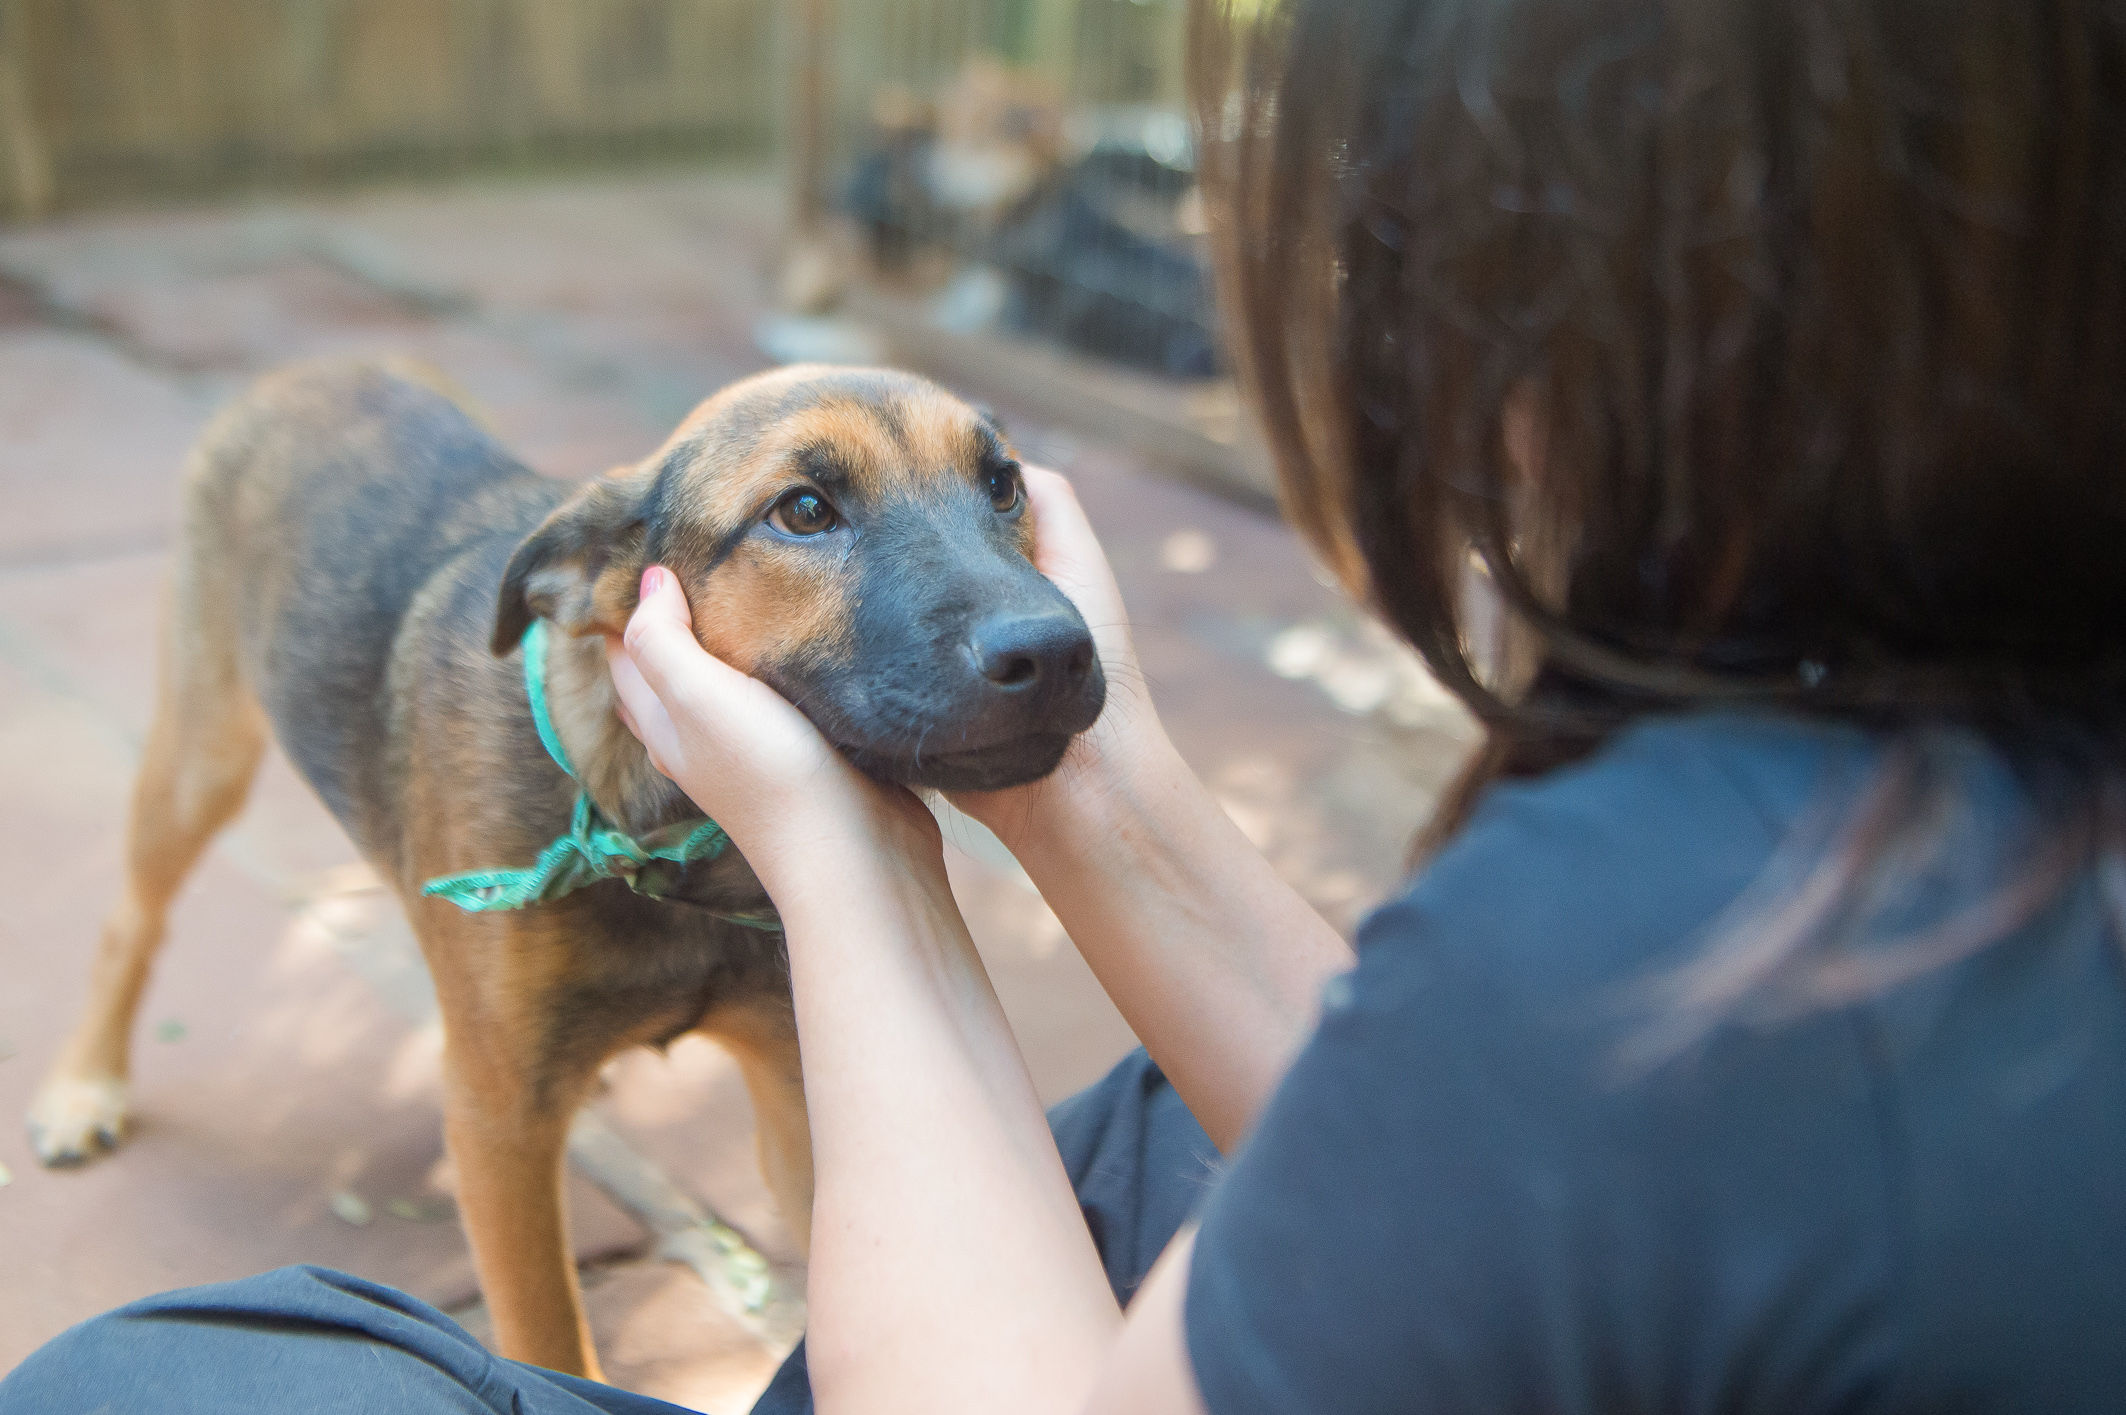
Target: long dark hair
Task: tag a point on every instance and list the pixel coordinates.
(1755, 352)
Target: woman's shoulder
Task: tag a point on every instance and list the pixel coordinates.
(1469, 1187)
(1919, 1187)
(1603, 870)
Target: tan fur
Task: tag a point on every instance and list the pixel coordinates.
(764, 1042)
(760, 609)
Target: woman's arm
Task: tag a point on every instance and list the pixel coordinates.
(951, 1269)
(1213, 959)
(1147, 1370)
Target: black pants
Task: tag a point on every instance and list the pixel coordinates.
(306, 1338)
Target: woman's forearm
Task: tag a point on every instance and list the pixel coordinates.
(1210, 956)
(950, 1268)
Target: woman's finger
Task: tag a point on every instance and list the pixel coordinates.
(660, 639)
(639, 707)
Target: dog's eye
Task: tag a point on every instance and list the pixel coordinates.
(803, 513)
(1001, 481)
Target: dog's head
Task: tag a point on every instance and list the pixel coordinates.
(859, 540)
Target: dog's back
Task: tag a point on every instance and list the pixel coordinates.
(320, 508)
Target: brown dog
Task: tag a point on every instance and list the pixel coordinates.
(357, 566)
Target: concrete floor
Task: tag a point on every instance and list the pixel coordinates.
(285, 1086)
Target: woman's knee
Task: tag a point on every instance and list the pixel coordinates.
(294, 1338)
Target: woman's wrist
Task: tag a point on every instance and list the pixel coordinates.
(1109, 802)
(836, 849)
(1099, 784)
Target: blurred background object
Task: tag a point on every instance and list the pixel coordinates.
(104, 101)
(1016, 186)
(965, 168)
(1029, 161)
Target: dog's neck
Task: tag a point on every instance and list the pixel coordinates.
(613, 766)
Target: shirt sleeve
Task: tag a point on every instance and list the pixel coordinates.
(1460, 1200)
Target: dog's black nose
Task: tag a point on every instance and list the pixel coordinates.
(1020, 652)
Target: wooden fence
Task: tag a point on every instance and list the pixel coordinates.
(104, 100)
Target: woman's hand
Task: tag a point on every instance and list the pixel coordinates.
(1128, 733)
(1215, 961)
(749, 759)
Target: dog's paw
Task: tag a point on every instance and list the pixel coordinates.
(73, 1121)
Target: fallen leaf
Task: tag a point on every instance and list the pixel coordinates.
(351, 1208)
(1188, 552)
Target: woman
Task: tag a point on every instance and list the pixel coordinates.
(1727, 399)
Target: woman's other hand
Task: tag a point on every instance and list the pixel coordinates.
(1215, 961)
(1128, 732)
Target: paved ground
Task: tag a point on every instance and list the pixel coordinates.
(285, 1071)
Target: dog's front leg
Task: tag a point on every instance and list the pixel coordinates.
(761, 1035)
(507, 1140)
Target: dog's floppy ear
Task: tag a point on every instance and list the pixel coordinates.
(583, 567)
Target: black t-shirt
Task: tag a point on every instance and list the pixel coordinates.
(1464, 1198)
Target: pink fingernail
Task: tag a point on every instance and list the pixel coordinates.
(652, 580)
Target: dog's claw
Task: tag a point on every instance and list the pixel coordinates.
(72, 1122)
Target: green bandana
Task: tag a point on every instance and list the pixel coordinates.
(592, 849)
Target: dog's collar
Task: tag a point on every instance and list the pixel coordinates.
(593, 848)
